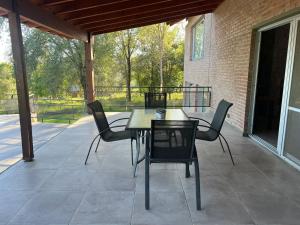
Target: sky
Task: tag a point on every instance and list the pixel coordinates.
(5, 46)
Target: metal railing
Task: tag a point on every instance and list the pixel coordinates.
(61, 110)
(67, 110)
(114, 97)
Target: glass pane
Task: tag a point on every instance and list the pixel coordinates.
(292, 140)
(198, 31)
(295, 88)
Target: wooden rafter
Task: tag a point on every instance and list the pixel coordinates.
(75, 6)
(144, 11)
(133, 5)
(76, 18)
(114, 28)
(55, 2)
(43, 18)
(149, 17)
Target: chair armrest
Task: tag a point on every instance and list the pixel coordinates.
(110, 128)
(190, 117)
(117, 126)
(118, 120)
(210, 128)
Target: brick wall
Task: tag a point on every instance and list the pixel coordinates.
(228, 55)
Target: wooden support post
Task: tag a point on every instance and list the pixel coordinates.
(90, 84)
(21, 82)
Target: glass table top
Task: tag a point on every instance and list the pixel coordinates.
(141, 118)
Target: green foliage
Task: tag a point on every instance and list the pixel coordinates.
(147, 62)
(133, 57)
(54, 64)
(7, 81)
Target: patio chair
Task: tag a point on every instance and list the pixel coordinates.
(155, 100)
(180, 149)
(104, 128)
(214, 128)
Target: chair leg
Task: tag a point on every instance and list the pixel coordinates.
(187, 170)
(131, 152)
(198, 191)
(98, 144)
(143, 137)
(90, 149)
(228, 150)
(147, 178)
(221, 144)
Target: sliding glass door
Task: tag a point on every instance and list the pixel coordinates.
(291, 147)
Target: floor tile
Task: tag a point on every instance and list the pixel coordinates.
(271, 208)
(225, 210)
(160, 181)
(105, 207)
(68, 180)
(11, 202)
(165, 209)
(49, 208)
(24, 180)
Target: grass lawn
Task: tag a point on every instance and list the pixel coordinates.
(71, 109)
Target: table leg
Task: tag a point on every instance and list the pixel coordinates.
(138, 149)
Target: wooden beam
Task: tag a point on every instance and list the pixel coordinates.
(74, 6)
(21, 82)
(109, 29)
(136, 5)
(144, 11)
(43, 18)
(55, 2)
(152, 16)
(140, 23)
(89, 68)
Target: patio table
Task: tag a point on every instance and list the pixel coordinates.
(140, 120)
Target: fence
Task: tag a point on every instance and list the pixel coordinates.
(57, 110)
(60, 110)
(67, 110)
(114, 98)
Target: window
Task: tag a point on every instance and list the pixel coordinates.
(197, 40)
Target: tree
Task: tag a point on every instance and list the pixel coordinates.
(53, 63)
(161, 33)
(106, 61)
(127, 41)
(7, 81)
(159, 61)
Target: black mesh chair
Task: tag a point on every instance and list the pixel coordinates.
(214, 128)
(104, 128)
(179, 149)
(155, 100)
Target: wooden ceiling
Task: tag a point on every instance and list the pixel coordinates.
(103, 16)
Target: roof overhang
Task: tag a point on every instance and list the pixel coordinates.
(78, 18)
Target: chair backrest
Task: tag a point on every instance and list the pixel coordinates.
(220, 115)
(155, 100)
(172, 140)
(99, 116)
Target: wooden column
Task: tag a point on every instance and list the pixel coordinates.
(21, 82)
(90, 83)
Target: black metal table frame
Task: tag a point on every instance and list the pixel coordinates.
(138, 141)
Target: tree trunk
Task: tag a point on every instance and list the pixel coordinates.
(161, 40)
(128, 94)
(83, 82)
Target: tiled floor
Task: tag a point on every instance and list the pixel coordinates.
(57, 188)
(10, 138)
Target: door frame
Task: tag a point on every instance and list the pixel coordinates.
(294, 26)
(293, 21)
